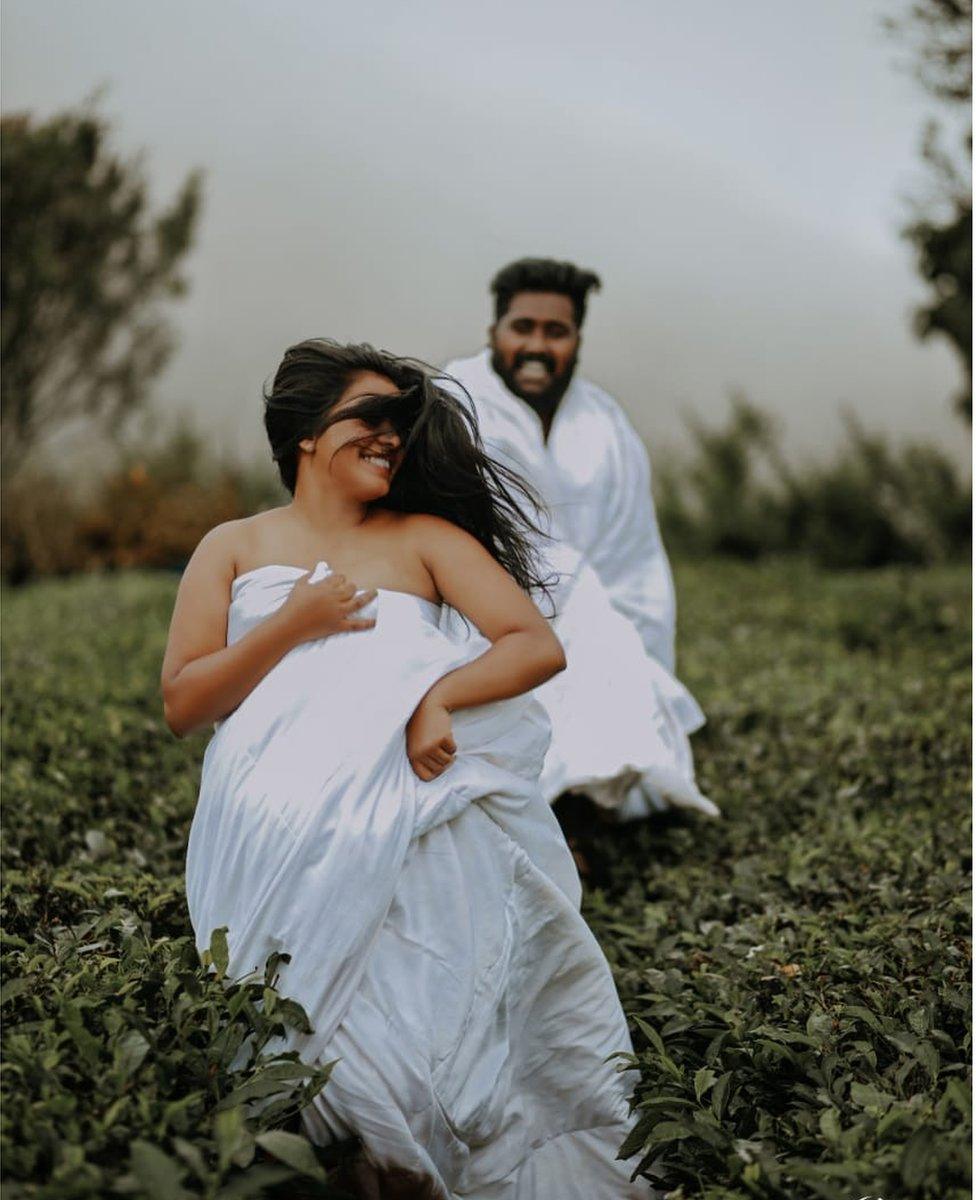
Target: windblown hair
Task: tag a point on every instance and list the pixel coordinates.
(544, 275)
(444, 469)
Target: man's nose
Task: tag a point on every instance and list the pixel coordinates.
(535, 342)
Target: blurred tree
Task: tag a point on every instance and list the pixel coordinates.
(940, 32)
(84, 267)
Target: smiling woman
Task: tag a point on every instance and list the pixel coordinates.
(371, 805)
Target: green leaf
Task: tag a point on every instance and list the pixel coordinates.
(160, 1175)
(88, 1046)
(130, 1050)
(293, 1150)
(229, 1133)
(634, 1140)
(917, 1158)
(928, 1056)
(276, 1078)
(719, 1094)
(657, 1042)
(670, 1131)
(704, 1079)
(870, 1098)
(193, 1158)
(863, 1014)
(219, 953)
(13, 988)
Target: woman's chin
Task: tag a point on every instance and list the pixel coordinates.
(363, 485)
(375, 489)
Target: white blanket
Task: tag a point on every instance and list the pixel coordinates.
(594, 476)
(620, 719)
(434, 929)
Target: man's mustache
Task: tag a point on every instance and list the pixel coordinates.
(546, 359)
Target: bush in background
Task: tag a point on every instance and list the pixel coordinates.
(735, 495)
(150, 511)
(872, 505)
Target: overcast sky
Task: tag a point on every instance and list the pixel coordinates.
(737, 173)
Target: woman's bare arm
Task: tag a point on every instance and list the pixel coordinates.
(204, 679)
(524, 650)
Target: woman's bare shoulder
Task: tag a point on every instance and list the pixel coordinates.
(430, 534)
(233, 542)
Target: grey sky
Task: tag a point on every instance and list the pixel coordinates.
(737, 173)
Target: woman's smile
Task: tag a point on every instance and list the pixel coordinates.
(381, 461)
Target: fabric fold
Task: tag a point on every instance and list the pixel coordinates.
(433, 927)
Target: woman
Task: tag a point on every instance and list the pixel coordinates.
(369, 801)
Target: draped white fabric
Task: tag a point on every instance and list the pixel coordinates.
(434, 928)
(620, 719)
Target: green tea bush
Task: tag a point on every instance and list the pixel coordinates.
(796, 973)
(129, 1066)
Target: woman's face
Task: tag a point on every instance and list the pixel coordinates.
(361, 469)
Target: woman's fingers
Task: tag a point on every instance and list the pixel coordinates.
(428, 766)
(362, 599)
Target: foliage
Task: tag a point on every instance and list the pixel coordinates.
(128, 1067)
(164, 493)
(734, 495)
(870, 506)
(85, 266)
(941, 31)
(797, 973)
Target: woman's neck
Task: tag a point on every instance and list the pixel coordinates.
(323, 509)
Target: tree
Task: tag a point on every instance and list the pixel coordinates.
(941, 34)
(84, 269)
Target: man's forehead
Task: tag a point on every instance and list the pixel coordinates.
(542, 306)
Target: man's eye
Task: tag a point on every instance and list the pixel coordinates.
(557, 331)
(522, 326)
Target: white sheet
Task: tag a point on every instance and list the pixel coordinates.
(620, 718)
(434, 928)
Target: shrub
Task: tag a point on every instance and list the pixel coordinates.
(150, 510)
(870, 506)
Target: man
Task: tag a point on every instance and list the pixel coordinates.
(620, 720)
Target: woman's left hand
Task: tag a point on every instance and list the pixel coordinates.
(430, 744)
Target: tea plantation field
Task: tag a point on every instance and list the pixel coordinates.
(797, 973)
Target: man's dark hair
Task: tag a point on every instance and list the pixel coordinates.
(543, 275)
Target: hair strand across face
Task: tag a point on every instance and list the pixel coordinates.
(444, 470)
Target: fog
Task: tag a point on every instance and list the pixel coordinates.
(737, 174)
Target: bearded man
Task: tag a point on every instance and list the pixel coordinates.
(620, 720)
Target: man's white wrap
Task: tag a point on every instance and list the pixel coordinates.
(620, 720)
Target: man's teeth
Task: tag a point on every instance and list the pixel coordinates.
(534, 370)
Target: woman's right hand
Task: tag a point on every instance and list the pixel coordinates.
(318, 610)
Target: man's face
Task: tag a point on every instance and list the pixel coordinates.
(534, 346)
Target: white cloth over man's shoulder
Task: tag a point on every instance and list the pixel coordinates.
(620, 719)
(594, 475)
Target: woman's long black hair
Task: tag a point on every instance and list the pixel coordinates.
(444, 469)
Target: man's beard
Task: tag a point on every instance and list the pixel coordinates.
(544, 401)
